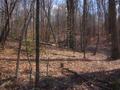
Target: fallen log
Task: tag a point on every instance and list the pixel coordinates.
(46, 59)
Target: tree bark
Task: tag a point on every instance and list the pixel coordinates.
(37, 44)
(70, 24)
(113, 30)
(84, 25)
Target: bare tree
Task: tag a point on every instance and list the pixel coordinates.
(113, 30)
(84, 24)
(9, 8)
(24, 28)
(37, 44)
(70, 23)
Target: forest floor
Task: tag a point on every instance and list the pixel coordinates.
(63, 70)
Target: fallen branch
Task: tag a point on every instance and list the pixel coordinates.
(48, 44)
(6, 81)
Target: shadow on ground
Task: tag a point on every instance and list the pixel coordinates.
(106, 80)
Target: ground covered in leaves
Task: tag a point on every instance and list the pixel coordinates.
(60, 70)
(84, 74)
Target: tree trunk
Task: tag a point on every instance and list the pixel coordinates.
(84, 22)
(37, 44)
(70, 24)
(113, 30)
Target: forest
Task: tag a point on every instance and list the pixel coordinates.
(59, 45)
